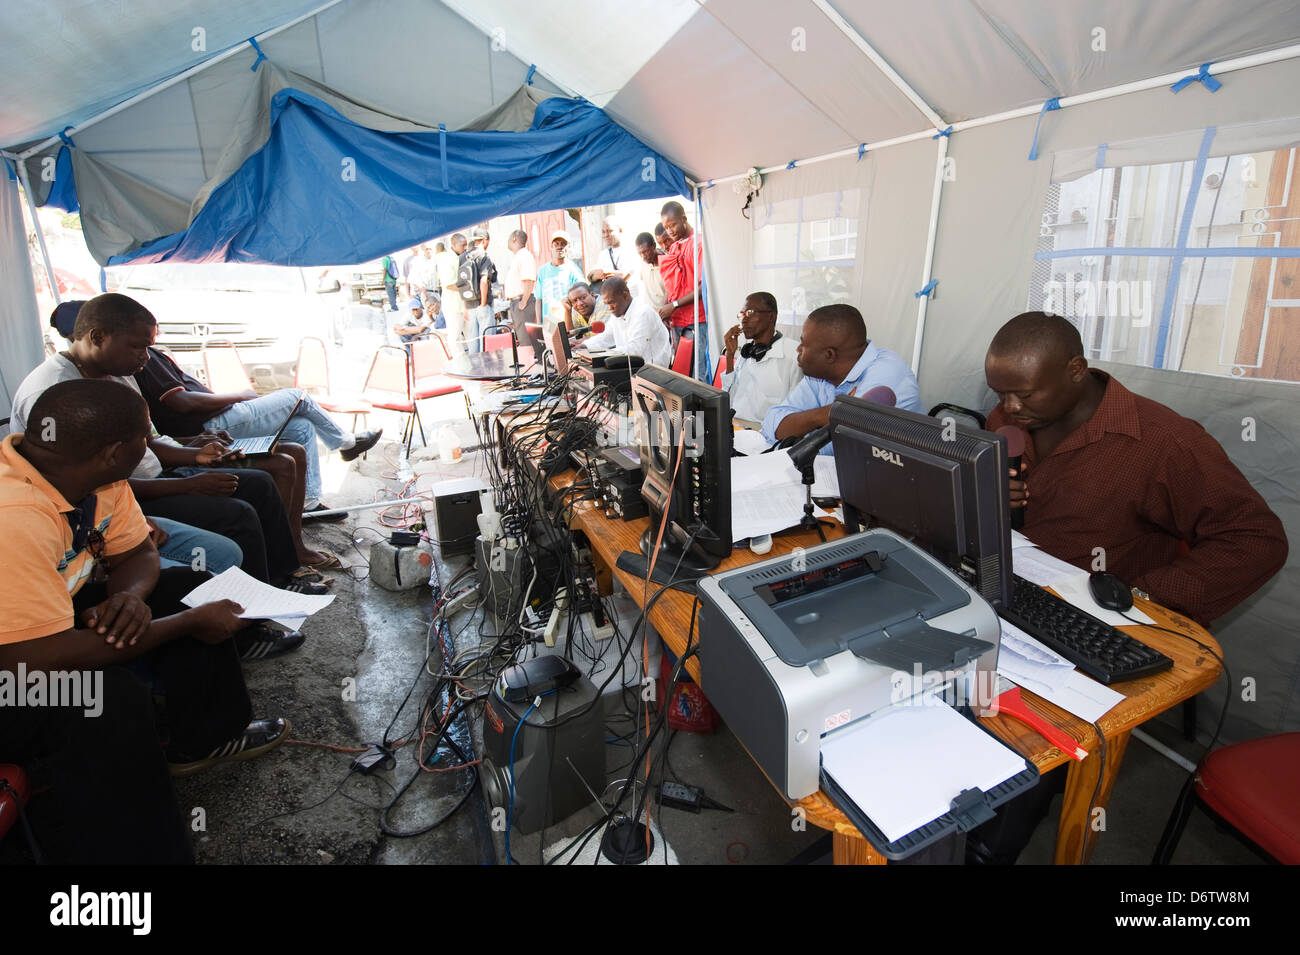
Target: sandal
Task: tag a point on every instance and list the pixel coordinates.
(331, 559)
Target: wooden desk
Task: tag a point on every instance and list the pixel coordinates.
(1193, 671)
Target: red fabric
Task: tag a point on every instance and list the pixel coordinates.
(1255, 786)
(1138, 480)
(677, 268)
(682, 360)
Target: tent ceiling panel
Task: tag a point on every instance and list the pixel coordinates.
(67, 61)
(591, 47)
(972, 58)
(835, 78)
(709, 106)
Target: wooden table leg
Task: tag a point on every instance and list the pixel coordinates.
(854, 850)
(1075, 835)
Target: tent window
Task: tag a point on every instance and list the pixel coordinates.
(805, 250)
(1187, 266)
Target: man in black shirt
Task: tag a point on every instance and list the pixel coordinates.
(478, 308)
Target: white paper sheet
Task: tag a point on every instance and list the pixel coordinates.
(1080, 694)
(904, 768)
(762, 471)
(827, 483)
(1039, 567)
(750, 442)
(1023, 659)
(260, 601)
(765, 510)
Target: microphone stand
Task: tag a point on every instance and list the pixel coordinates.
(804, 456)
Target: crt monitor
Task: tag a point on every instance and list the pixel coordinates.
(941, 484)
(684, 437)
(558, 340)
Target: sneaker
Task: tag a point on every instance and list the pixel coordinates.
(260, 736)
(261, 641)
(311, 515)
(364, 442)
(300, 586)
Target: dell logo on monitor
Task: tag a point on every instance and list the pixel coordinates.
(890, 456)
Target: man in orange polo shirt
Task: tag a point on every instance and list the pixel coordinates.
(86, 608)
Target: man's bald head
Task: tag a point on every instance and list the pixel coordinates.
(78, 418)
(833, 339)
(1036, 366)
(842, 325)
(1037, 336)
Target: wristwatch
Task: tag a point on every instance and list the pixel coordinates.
(675, 305)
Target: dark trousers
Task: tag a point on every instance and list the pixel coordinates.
(102, 791)
(253, 517)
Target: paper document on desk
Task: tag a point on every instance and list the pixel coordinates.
(1070, 583)
(1039, 567)
(827, 482)
(1023, 658)
(1079, 694)
(761, 471)
(765, 510)
(749, 442)
(904, 768)
(260, 601)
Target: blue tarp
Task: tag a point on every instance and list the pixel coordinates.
(63, 192)
(324, 190)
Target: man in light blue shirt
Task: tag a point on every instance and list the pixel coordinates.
(837, 358)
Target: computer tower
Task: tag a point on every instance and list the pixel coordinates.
(456, 508)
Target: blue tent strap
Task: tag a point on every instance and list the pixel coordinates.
(862, 150)
(442, 152)
(710, 184)
(532, 69)
(1051, 104)
(67, 140)
(791, 164)
(252, 41)
(1101, 155)
(928, 290)
(942, 132)
(1200, 76)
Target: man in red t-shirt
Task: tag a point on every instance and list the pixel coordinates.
(677, 267)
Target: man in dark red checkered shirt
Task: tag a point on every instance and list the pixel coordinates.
(1105, 468)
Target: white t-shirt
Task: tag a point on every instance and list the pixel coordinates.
(639, 331)
(652, 286)
(58, 368)
(621, 260)
(523, 268)
(756, 386)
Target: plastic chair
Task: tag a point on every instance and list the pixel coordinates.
(496, 341)
(223, 369)
(428, 358)
(682, 360)
(388, 386)
(717, 375)
(1254, 788)
(312, 375)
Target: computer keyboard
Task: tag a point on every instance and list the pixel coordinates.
(1096, 648)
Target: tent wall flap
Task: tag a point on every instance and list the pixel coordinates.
(21, 347)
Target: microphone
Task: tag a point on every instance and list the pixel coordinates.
(881, 395)
(597, 327)
(804, 451)
(1015, 448)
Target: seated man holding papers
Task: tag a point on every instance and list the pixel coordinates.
(634, 328)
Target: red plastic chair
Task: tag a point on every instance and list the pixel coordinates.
(388, 386)
(428, 358)
(312, 375)
(1254, 787)
(717, 375)
(223, 369)
(682, 360)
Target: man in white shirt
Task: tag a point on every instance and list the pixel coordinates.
(521, 278)
(615, 260)
(633, 327)
(762, 371)
(652, 283)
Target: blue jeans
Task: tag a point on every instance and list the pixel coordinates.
(262, 416)
(185, 545)
(391, 289)
(476, 319)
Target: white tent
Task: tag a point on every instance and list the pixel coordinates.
(894, 144)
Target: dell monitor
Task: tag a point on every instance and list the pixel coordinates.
(684, 437)
(941, 484)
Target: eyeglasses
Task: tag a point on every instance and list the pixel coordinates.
(746, 312)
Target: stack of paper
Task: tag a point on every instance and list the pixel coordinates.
(767, 495)
(1029, 664)
(260, 601)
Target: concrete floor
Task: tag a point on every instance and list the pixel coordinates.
(301, 805)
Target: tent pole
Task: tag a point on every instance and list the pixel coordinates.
(40, 233)
(178, 78)
(1168, 79)
(930, 239)
(695, 317)
(870, 52)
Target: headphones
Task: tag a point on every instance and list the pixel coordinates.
(756, 350)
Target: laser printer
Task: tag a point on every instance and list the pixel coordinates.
(798, 648)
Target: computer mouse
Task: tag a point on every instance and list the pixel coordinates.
(1110, 592)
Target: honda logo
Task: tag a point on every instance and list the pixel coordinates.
(202, 331)
(890, 456)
